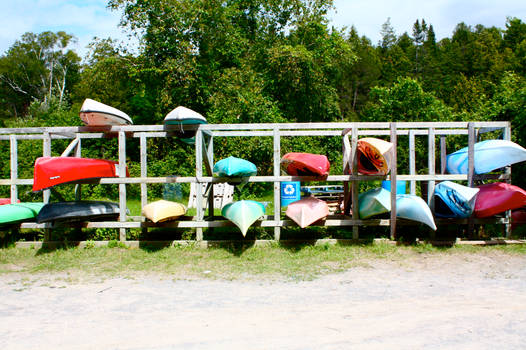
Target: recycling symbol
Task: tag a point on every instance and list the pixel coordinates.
(288, 189)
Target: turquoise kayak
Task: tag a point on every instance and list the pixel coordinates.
(243, 213)
(234, 167)
(374, 202)
(15, 213)
(414, 208)
(453, 200)
(489, 155)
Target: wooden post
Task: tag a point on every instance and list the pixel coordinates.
(393, 181)
(78, 153)
(143, 150)
(412, 161)
(122, 187)
(507, 227)
(443, 154)
(355, 184)
(199, 187)
(277, 184)
(471, 171)
(209, 165)
(14, 167)
(347, 169)
(46, 152)
(431, 165)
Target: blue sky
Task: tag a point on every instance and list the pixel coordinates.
(88, 18)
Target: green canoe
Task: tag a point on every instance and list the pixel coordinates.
(15, 213)
(243, 213)
(374, 202)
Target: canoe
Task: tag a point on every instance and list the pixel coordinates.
(76, 211)
(374, 156)
(495, 198)
(452, 200)
(4, 201)
(15, 213)
(234, 167)
(52, 171)
(162, 210)
(374, 202)
(184, 116)
(489, 155)
(243, 213)
(305, 164)
(411, 207)
(94, 113)
(307, 211)
(518, 217)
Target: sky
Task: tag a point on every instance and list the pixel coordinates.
(90, 18)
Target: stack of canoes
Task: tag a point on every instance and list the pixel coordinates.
(181, 116)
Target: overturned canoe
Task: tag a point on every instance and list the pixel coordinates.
(489, 155)
(243, 213)
(307, 211)
(233, 167)
(15, 213)
(4, 201)
(52, 171)
(453, 200)
(495, 198)
(94, 113)
(374, 202)
(374, 156)
(414, 208)
(181, 116)
(305, 164)
(161, 210)
(518, 217)
(76, 211)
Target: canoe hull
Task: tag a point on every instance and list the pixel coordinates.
(181, 116)
(496, 198)
(307, 211)
(374, 156)
(243, 213)
(16, 213)
(52, 171)
(374, 202)
(414, 208)
(93, 113)
(234, 167)
(76, 211)
(305, 164)
(489, 155)
(162, 210)
(453, 200)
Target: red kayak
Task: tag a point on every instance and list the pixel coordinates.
(305, 164)
(518, 217)
(498, 197)
(52, 171)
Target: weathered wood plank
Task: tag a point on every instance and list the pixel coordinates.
(144, 169)
(393, 180)
(431, 163)
(355, 184)
(412, 161)
(276, 158)
(199, 188)
(122, 186)
(13, 154)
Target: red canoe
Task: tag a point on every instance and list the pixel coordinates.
(305, 164)
(6, 201)
(52, 171)
(518, 217)
(498, 197)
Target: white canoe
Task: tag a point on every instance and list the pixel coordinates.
(162, 210)
(184, 115)
(307, 211)
(414, 208)
(94, 113)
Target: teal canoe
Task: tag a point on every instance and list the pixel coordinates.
(15, 213)
(234, 167)
(243, 213)
(414, 208)
(374, 202)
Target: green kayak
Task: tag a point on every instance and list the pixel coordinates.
(374, 202)
(243, 213)
(15, 213)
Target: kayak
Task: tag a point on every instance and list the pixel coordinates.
(518, 217)
(94, 113)
(4, 201)
(374, 156)
(52, 171)
(453, 200)
(307, 211)
(15, 213)
(79, 211)
(374, 202)
(305, 164)
(243, 213)
(497, 197)
(489, 155)
(184, 116)
(234, 167)
(163, 210)
(411, 207)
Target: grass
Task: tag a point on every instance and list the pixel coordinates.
(228, 262)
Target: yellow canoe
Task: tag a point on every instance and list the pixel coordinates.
(374, 156)
(162, 210)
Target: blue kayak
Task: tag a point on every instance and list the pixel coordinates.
(489, 155)
(453, 200)
(414, 208)
(234, 167)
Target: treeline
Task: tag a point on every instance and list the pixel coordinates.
(264, 61)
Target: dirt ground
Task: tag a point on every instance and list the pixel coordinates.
(471, 301)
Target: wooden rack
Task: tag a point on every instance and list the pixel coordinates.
(204, 151)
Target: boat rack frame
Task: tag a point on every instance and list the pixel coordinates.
(204, 152)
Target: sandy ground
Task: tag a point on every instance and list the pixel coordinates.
(431, 302)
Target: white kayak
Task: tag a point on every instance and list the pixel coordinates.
(414, 208)
(94, 113)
